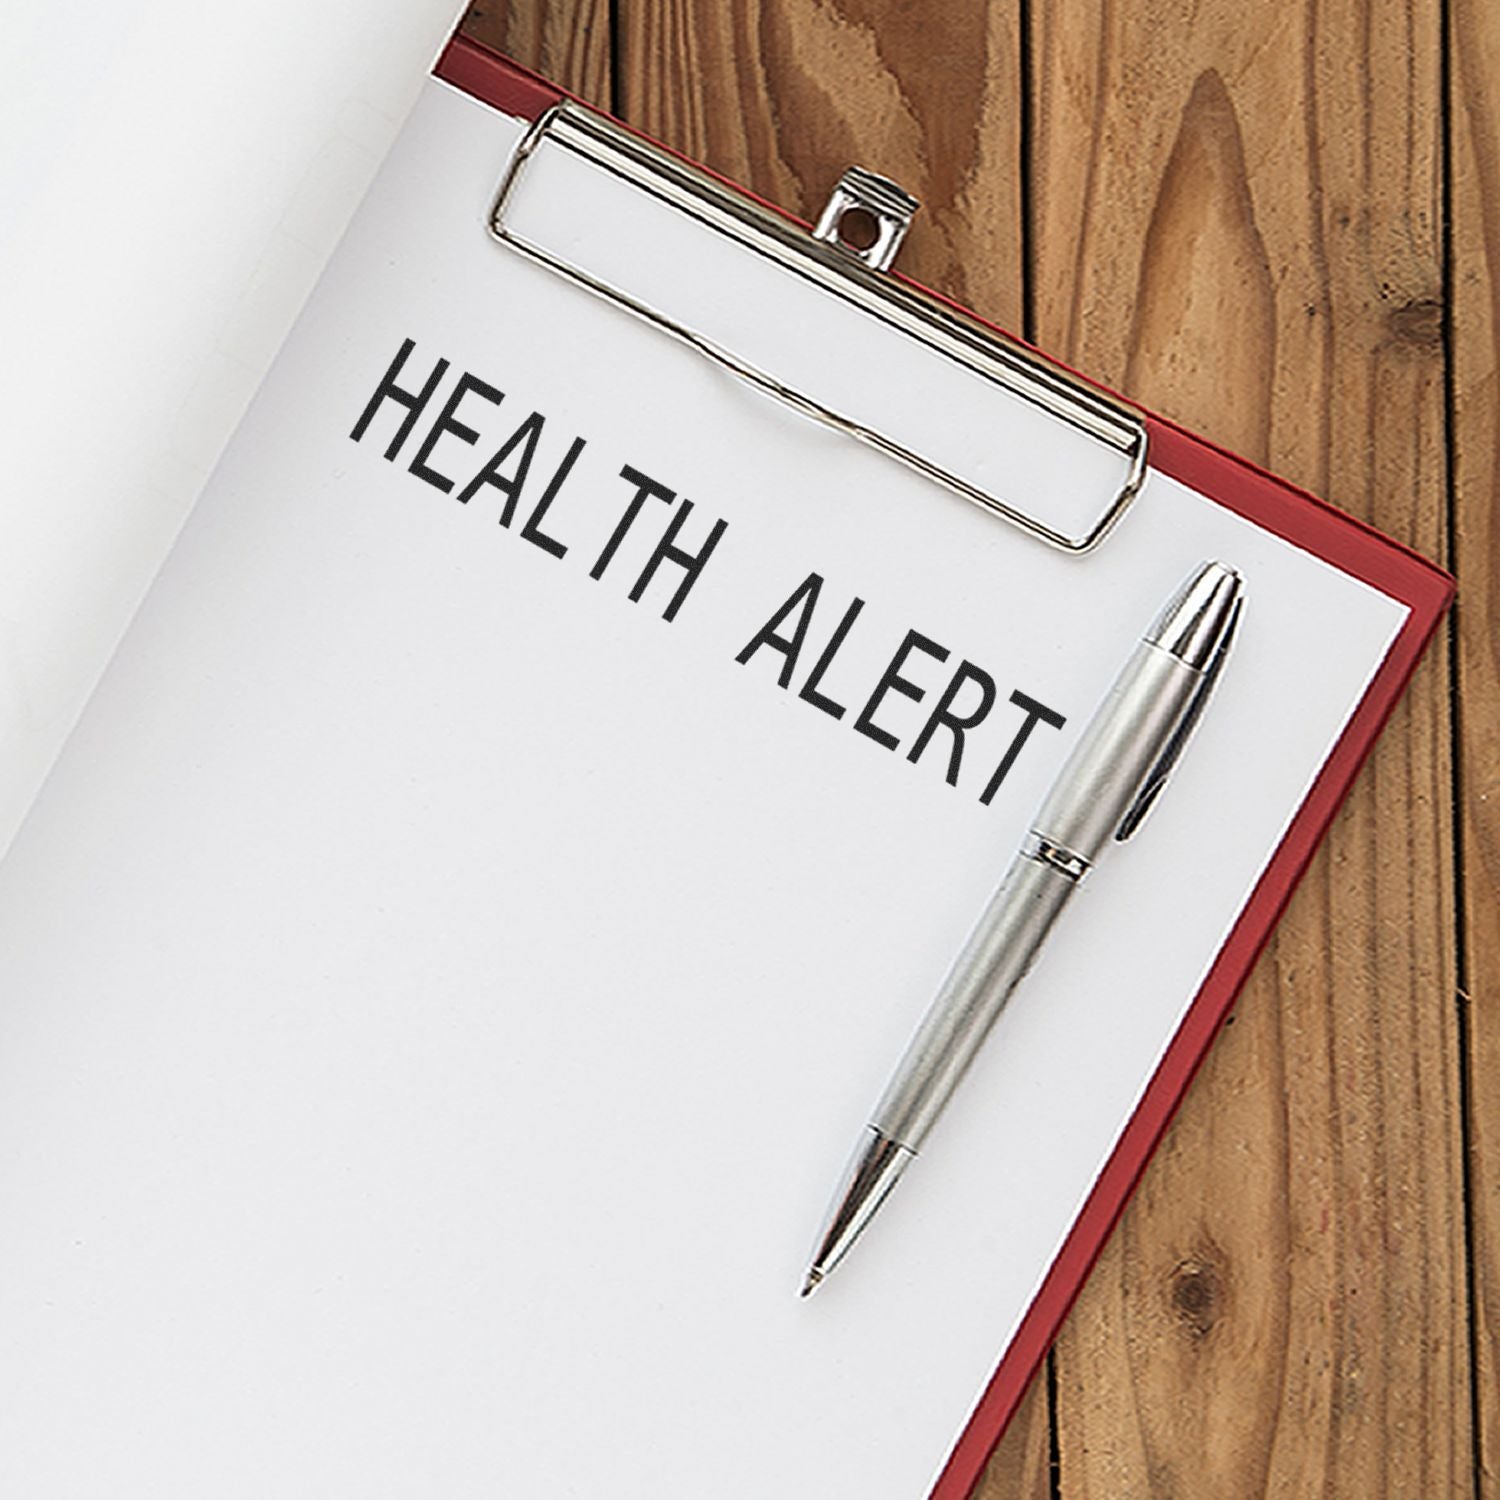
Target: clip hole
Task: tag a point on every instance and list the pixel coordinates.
(858, 228)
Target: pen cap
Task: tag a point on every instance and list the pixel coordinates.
(1130, 742)
(1193, 622)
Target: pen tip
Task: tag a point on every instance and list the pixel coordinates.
(814, 1276)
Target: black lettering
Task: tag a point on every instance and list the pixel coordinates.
(692, 563)
(893, 681)
(810, 693)
(532, 530)
(644, 486)
(804, 600)
(413, 401)
(1035, 713)
(957, 723)
(524, 437)
(448, 422)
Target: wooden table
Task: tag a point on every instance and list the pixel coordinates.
(1279, 222)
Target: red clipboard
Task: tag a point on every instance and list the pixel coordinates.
(1288, 512)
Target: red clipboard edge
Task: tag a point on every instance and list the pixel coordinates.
(1427, 591)
(496, 80)
(1288, 512)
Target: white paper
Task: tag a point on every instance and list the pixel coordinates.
(171, 182)
(441, 992)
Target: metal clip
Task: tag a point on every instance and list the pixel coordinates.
(859, 233)
(867, 217)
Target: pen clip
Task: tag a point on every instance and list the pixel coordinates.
(1156, 777)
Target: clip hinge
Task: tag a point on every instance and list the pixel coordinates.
(866, 216)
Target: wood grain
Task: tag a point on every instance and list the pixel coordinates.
(1238, 221)
(927, 95)
(567, 41)
(1474, 117)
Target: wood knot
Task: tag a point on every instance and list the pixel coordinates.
(1417, 323)
(1197, 1292)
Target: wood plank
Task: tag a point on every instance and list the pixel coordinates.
(782, 97)
(1237, 220)
(567, 41)
(1021, 1466)
(1474, 116)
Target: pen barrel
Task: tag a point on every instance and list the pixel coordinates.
(994, 960)
(1103, 775)
(1098, 783)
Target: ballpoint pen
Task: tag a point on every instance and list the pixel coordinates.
(1116, 770)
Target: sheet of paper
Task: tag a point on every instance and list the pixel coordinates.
(441, 991)
(171, 183)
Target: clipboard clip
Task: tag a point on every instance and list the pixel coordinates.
(848, 254)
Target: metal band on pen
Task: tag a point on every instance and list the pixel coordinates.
(1045, 852)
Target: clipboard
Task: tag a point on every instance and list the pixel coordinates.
(1232, 481)
(1134, 463)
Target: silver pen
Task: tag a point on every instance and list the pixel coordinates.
(1118, 766)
